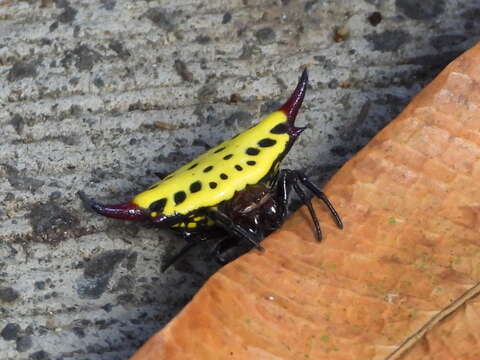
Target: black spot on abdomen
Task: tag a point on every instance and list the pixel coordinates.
(218, 150)
(195, 187)
(238, 167)
(252, 151)
(191, 167)
(207, 169)
(281, 128)
(212, 185)
(267, 142)
(229, 156)
(251, 162)
(179, 197)
(158, 205)
(223, 176)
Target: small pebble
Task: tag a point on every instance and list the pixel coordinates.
(8, 294)
(341, 34)
(375, 18)
(39, 355)
(24, 343)
(10, 331)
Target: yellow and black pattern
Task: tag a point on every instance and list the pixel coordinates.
(236, 186)
(219, 173)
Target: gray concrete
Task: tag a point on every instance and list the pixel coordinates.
(100, 95)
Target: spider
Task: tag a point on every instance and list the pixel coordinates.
(237, 186)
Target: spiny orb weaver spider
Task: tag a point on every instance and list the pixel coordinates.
(237, 186)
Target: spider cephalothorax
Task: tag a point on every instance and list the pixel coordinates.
(236, 185)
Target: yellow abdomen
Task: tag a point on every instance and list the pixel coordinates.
(217, 174)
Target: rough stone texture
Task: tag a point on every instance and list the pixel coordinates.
(101, 95)
(10, 331)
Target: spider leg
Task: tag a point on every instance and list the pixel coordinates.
(321, 195)
(221, 247)
(227, 224)
(192, 239)
(283, 187)
(304, 199)
(292, 178)
(189, 246)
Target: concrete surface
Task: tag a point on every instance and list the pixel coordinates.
(101, 95)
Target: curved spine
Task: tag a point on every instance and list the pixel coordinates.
(126, 211)
(293, 104)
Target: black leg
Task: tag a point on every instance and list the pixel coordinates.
(223, 246)
(228, 225)
(189, 246)
(291, 178)
(321, 195)
(283, 187)
(304, 199)
(192, 239)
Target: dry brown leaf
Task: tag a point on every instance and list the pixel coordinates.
(456, 337)
(410, 250)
